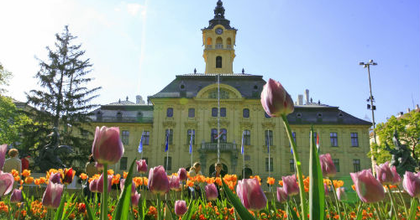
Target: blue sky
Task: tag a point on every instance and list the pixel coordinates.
(137, 47)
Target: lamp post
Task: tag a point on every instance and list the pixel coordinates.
(372, 107)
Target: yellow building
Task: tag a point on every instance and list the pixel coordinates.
(222, 102)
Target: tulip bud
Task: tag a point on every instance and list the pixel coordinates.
(107, 147)
(100, 185)
(275, 100)
(141, 166)
(68, 175)
(3, 150)
(281, 195)
(251, 194)
(211, 192)
(180, 207)
(133, 186)
(135, 198)
(16, 196)
(327, 165)
(341, 193)
(290, 185)
(411, 183)
(174, 182)
(52, 195)
(6, 183)
(93, 185)
(55, 178)
(182, 173)
(367, 187)
(158, 181)
(81, 208)
(384, 174)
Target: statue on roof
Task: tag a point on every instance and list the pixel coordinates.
(401, 156)
(219, 11)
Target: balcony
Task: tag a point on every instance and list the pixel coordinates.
(208, 146)
(123, 119)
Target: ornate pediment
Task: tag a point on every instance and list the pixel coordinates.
(191, 124)
(226, 92)
(268, 125)
(223, 122)
(169, 124)
(245, 125)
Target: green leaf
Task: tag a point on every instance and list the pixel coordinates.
(242, 211)
(60, 210)
(90, 214)
(69, 201)
(316, 184)
(413, 208)
(359, 212)
(123, 206)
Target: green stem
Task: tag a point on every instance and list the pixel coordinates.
(336, 199)
(298, 168)
(104, 204)
(393, 204)
(158, 207)
(403, 202)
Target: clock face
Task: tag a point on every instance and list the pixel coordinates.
(219, 31)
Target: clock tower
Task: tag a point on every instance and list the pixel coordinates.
(219, 43)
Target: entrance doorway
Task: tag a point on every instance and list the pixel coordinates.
(248, 173)
(211, 168)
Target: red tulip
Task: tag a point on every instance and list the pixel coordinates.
(411, 183)
(174, 182)
(327, 165)
(211, 192)
(290, 185)
(52, 195)
(68, 175)
(107, 147)
(158, 181)
(368, 188)
(182, 173)
(3, 151)
(100, 186)
(341, 193)
(251, 194)
(6, 183)
(386, 175)
(180, 207)
(141, 166)
(281, 195)
(82, 208)
(16, 196)
(275, 100)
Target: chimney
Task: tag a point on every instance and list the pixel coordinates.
(307, 96)
(300, 100)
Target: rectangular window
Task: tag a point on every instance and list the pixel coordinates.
(214, 112)
(223, 137)
(222, 112)
(271, 164)
(169, 112)
(213, 135)
(268, 137)
(334, 139)
(292, 165)
(337, 164)
(191, 112)
(123, 163)
(354, 139)
(190, 132)
(356, 165)
(167, 163)
(245, 113)
(125, 135)
(247, 137)
(171, 135)
(146, 137)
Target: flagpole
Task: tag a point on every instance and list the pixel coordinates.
(142, 133)
(269, 159)
(167, 149)
(243, 156)
(218, 117)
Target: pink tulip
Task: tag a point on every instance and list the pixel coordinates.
(281, 195)
(100, 185)
(341, 193)
(251, 194)
(16, 196)
(3, 151)
(93, 185)
(182, 173)
(386, 175)
(55, 178)
(52, 195)
(141, 166)
(275, 100)
(107, 147)
(135, 198)
(290, 185)
(133, 186)
(327, 165)
(158, 181)
(211, 192)
(174, 182)
(397, 177)
(180, 207)
(367, 187)
(411, 183)
(6, 183)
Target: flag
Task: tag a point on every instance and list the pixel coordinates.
(242, 146)
(141, 143)
(191, 141)
(219, 135)
(268, 142)
(167, 142)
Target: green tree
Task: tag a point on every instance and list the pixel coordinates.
(408, 128)
(4, 78)
(65, 100)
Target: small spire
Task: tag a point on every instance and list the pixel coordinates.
(126, 98)
(219, 11)
(243, 71)
(195, 71)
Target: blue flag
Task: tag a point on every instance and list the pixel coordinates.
(191, 140)
(167, 141)
(242, 146)
(141, 143)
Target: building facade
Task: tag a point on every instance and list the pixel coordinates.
(218, 109)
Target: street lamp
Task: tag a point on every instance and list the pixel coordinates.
(372, 107)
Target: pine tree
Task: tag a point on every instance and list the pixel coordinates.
(65, 100)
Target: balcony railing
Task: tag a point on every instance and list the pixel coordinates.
(123, 119)
(213, 146)
(219, 46)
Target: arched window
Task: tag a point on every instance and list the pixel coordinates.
(209, 41)
(218, 62)
(229, 43)
(219, 43)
